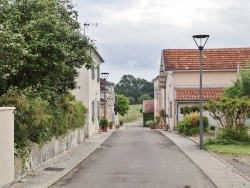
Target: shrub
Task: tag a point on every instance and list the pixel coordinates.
(232, 134)
(157, 119)
(36, 120)
(147, 117)
(190, 124)
(149, 123)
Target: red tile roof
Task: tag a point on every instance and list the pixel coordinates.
(148, 106)
(193, 94)
(189, 59)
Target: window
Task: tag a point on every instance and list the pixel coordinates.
(98, 74)
(93, 74)
(170, 109)
(98, 109)
(93, 110)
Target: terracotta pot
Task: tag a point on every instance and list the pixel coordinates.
(153, 127)
(159, 126)
(105, 128)
(165, 127)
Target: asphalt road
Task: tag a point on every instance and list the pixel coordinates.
(136, 157)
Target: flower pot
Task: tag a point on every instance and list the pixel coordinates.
(165, 127)
(105, 128)
(159, 126)
(153, 127)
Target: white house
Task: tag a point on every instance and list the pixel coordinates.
(89, 93)
(179, 77)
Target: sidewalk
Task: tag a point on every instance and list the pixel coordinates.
(221, 173)
(62, 164)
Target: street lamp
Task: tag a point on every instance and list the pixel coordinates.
(104, 76)
(200, 44)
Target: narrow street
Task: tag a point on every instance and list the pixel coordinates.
(136, 157)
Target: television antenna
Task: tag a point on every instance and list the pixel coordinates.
(86, 25)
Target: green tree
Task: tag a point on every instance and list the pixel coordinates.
(133, 87)
(241, 87)
(230, 113)
(41, 45)
(121, 104)
(144, 97)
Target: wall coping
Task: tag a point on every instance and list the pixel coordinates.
(7, 108)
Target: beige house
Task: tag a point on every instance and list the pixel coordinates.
(178, 82)
(89, 93)
(109, 102)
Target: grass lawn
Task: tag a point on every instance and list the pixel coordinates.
(133, 113)
(230, 149)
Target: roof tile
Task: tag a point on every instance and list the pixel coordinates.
(189, 59)
(148, 106)
(194, 93)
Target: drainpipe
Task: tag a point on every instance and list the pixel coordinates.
(177, 113)
(165, 104)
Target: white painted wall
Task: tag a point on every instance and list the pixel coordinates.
(192, 79)
(88, 92)
(7, 172)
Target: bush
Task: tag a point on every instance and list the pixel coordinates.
(157, 119)
(147, 117)
(38, 121)
(149, 123)
(190, 124)
(231, 134)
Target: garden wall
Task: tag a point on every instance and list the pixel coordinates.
(53, 148)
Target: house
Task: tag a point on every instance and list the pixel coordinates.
(179, 79)
(148, 106)
(148, 110)
(108, 100)
(89, 93)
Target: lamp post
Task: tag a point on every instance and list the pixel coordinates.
(200, 46)
(104, 76)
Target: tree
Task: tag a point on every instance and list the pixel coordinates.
(230, 113)
(121, 104)
(241, 87)
(144, 97)
(41, 46)
(133, 87)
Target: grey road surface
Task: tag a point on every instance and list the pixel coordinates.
(136, 157)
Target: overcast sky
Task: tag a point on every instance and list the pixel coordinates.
(132, 33)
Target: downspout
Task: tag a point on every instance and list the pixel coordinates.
(177, 113)
(165, 104)
(238, 71)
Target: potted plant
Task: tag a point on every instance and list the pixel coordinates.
(157, 121)
(121, 122)
(104, 124)
(163, 116)
(111, 125)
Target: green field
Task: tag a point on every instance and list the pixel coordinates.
(133, 113)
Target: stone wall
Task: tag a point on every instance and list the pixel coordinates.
(53, 148)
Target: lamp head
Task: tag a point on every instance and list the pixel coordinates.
(201, 38)
(104, 75)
